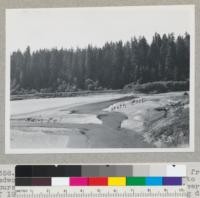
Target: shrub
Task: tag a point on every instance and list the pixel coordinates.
(160, 86)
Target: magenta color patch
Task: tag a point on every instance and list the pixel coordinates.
(78, 181)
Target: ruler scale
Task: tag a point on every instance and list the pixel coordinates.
(104, 195)
(101, 181)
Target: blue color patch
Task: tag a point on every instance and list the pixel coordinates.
(154, 181)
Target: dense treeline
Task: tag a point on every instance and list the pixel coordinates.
(112, 66)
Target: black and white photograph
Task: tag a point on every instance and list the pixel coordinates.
(100, 79)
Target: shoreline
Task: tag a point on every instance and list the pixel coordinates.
(40, 95)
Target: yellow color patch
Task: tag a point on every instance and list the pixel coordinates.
(116, 181)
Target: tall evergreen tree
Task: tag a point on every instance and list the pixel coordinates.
(111, 66)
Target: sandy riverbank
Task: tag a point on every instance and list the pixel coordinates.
(87, 124)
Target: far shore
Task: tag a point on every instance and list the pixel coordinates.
(38, 95)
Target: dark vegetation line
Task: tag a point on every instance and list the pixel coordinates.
(112, 66)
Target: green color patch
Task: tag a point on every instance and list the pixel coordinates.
(135, 181)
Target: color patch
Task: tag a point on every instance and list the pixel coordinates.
(78, 181)
(176, 171)
(106, 171)
(135, 181)
(60, 181)
(23, 171)
(98, 181)
(157, 171)
(141, 170)
(172, 181)
(154, 181)
(116, 181)
(23, 181)
(90, 171)
(41, 181)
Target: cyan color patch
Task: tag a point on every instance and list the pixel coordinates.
(154, 181)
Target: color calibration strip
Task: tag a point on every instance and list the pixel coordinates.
(99, 175)
(100, 181)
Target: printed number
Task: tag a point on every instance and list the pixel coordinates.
(148, 190)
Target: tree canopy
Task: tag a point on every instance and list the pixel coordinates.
(111, 66)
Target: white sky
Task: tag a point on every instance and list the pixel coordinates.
(78, 27)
